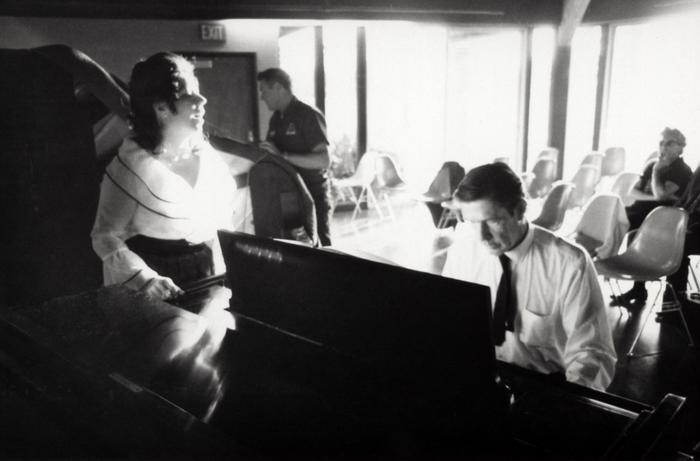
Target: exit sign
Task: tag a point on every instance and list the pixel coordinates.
(212, 32)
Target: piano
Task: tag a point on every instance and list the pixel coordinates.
(305, 353)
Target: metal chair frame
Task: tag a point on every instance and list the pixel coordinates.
(659, 214)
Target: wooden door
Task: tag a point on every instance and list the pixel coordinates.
(228, 81)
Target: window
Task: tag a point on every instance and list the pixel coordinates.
(654, 84)
(406, 95)
(540, 86)
(580, 112)
(483, 85)
(297, 47)
(340, 61)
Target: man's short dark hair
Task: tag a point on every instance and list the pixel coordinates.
(493, 181)
(276, 75)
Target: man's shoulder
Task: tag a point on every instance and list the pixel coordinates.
(555, 246)
(303, 108)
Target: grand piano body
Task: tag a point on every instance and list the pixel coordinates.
(318, 354)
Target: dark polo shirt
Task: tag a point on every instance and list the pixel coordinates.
(297, 130)
(677, 172)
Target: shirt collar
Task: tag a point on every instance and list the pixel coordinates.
(519, 252)
(290, 107)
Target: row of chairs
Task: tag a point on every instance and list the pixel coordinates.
(594, 166)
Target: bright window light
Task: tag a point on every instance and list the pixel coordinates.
(483, 93)
(340, 60)
(406, 69)
(297, 48)
(540, 86)
(654, 84)
(580, 113)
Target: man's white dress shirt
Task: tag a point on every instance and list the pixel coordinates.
(561, 325)
(141, 195)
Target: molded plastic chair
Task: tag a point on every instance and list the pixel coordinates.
(505, 160)
(602, 226)
(623, 185)
(555, 205)
(585, 181)
(595, 159)
(282, 205)
(543, 175)
(551, 153)
(389, 179)
(655, 253)
(613, 161)
(440, 191)
(362, 178)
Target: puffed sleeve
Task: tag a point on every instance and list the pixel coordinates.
(114, 213)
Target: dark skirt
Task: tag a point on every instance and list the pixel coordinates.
(180, 260)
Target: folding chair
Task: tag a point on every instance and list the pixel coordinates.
(361, 179)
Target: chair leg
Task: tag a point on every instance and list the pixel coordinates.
(677, 309)
(695, 278)
(444, 218)
(630, 352)
(389, 208)
(358, 202)
(371, 198)
(616, 293)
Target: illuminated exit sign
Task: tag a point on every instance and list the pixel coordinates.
(212, 32)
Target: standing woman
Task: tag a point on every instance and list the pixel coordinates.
(167, 191)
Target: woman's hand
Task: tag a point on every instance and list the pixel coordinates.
(162, 288)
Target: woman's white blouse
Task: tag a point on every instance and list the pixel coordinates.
(141, 195)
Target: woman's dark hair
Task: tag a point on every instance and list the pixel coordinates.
(493, 181)
(159, 78)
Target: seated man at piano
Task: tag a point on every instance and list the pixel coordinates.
(167, 191)
(548, 310)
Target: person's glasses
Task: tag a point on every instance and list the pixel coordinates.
(668, 143)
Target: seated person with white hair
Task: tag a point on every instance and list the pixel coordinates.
(549, 313)
(663, 182)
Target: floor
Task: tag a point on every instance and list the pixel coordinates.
(404, 233)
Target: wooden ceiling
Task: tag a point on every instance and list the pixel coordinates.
(450, 11)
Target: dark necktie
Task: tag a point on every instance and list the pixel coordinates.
(505, 306)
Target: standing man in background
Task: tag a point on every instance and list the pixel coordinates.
(297, 132)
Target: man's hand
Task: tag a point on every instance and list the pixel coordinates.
(269, 147)
(162, 288)
(663, 162)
